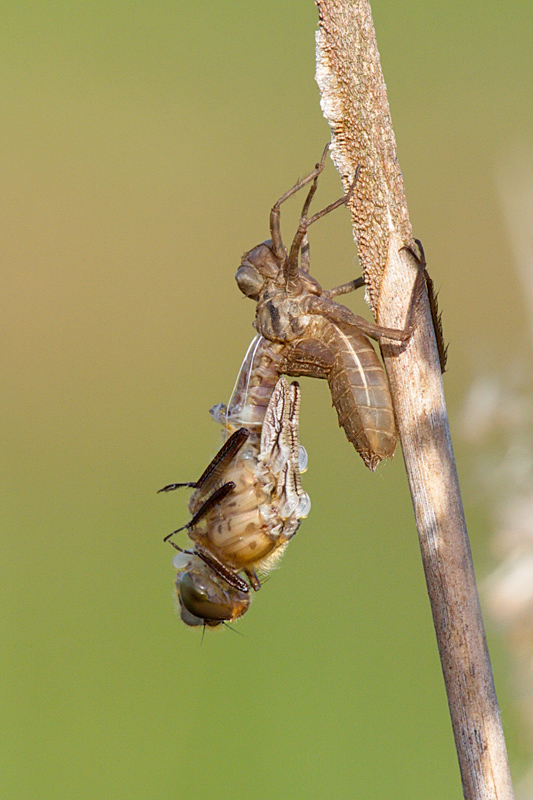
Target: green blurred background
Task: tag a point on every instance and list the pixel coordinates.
(142, 147)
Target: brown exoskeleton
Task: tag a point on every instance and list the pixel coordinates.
(248, 503)
(315, 336)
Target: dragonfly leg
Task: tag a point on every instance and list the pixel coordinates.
(338, 313)
(275, 229)
(213, 500)
(291, 264)
(345, 288)
(341, 315)
(218, 465)
(222, 460)
(255, 583)
(217, 497)
(305, 260)
(169, 535)
(229, 575)
(172, 486)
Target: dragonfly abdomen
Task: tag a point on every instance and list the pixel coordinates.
(360, 393)
(357, 381)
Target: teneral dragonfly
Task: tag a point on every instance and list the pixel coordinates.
(248, 503)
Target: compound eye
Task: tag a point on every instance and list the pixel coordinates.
(194, 592)
(249, 281)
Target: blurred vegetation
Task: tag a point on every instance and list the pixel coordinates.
(142, 147)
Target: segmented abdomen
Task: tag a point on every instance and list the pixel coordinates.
(357, 381)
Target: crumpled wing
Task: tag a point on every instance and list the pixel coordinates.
(280, 450)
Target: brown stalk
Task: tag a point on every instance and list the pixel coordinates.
(354, 101)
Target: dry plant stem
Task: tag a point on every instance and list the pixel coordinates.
(354, 101)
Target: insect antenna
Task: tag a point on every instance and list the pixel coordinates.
(230, 628)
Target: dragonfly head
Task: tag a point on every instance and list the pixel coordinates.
(258, 266)
(206, 599)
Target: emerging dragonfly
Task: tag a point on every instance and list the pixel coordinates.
(249, 501)
(313, 335)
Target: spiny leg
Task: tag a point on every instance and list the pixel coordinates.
(218, 465)
(338, 313)
(217, 566)
(436, 314)
(221, 569)
(223, 458)
(211, 501)
(171, 486)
